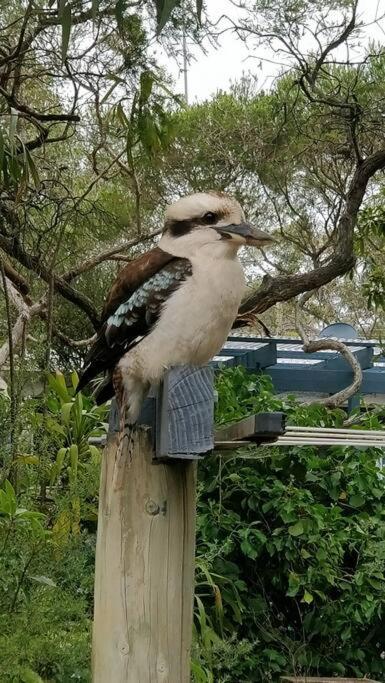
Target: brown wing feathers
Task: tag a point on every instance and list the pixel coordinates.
(132, 308)
(134, 274)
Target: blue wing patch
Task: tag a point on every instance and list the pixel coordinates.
(139, 313)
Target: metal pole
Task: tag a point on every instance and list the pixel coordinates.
(184, 48)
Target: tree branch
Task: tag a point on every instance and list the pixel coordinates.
(283, 288)
(25, 314)
(106, 255)
(325, 345)
(14, 248)
(24, 109)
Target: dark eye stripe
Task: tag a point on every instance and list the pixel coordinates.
(179, 228)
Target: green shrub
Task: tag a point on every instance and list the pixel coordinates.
(294, 543)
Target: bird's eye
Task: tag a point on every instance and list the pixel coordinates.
(209, 218)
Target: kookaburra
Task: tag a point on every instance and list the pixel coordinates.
(175, 304)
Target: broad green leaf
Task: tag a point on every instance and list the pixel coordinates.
(148, 133)
(307, 597)
(66, 412)
(31, 515)
(74, 379)
(5, 505)
(10, 494)
(66, 22)
(164, 9)
(296, 529)
(58, 465)
(356, 501)
(57, 383)
(28, 676)
(54, 427)
(294, 585)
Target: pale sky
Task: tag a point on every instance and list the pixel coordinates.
(226, 63)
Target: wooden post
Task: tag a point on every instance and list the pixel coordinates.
(144, 571)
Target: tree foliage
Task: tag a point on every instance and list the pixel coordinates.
(94, 142)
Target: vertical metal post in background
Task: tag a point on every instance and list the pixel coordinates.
(184, 48)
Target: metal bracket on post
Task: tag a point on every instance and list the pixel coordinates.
(180, 413)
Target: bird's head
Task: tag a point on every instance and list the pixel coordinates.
(208, 218)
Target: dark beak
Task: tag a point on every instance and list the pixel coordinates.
(254, 236)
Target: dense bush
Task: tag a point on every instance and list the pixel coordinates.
(290, 548)
(293, 542)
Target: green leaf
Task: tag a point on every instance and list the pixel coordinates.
(58, 465)
(164, 10)
(296, 529)
(2, 151)
(121, 116)
(307, 597)
(95, 9)
(95, 454)
(294, 585)
(44, 580)
(74, 379)
(13, 125)
(32, 168)
(199, 11)
(356, 501)
(74, 459)
(28, 676)
(58, 384)
(120, 6)
(66, 412)
(109, 92)
(66, 23)
(148, 133)
(248, 549)
(146, 83)
(10, 495)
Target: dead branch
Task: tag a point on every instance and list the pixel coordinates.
(74, 343)
(25, 313)
(311, 346)
(333, 344)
